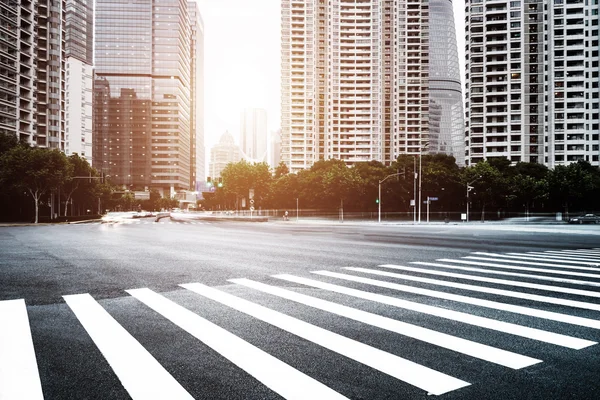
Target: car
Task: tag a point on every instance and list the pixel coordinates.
(585, 219)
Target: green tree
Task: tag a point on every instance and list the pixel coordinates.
(79, 168)
(35, 170)
(281, 170)
(239, 178)
(490, 186)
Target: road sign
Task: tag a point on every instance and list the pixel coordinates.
(251, 193)
(433, 199)
(412, 203)
(251, 208)
(252, 201)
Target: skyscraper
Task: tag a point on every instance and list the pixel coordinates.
(143, 100)
(253, 133)
(533, 77)
(356, 81)
(18, 53)
(446, 112)
(79, 78)
(198, 173)
(50, 65)
(223, 153)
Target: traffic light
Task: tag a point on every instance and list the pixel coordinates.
(220, 184)
(376, 201)
(209, 181)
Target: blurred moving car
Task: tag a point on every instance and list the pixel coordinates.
(585, 219)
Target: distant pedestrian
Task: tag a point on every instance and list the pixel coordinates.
(286, 216)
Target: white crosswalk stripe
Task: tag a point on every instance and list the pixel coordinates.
(496, 272)
(550, 288)
(481, 289)
(551, 260)
(141, 375)
(473, 349)
(524, 262)
(560, 257)
(482, 322)
(410, 372)
(553, 316)
(19, 378)
(275, 374)
(144, 377)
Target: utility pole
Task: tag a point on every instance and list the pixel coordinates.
(469, 188)
(379, 193)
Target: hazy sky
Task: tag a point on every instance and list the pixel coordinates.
(242, 61)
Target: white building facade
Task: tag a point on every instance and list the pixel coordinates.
(532, 81)
(355, 81)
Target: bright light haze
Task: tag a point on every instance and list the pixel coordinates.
(242, 62)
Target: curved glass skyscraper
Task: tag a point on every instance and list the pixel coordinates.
(446, 114)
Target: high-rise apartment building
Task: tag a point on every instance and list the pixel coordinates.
(18, 53)
(142, 93)
(198, 164)
(79, 78)
(533, 81)
(51, 68)
(356, 81)
(253, 133)
(223, 153)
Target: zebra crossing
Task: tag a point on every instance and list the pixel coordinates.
(453, 290)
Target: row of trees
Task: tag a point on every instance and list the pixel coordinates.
(497, 186)
(38, 182)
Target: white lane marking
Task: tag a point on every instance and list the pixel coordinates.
(549, 288)
(139, 372)
(278, 376)
(468, 347)
(496, 305)
(550, 263)
(561, 257)
(495, 272)
(407, 371)
(551, 260)
(475, 288)
(19, 376)
(482, 322)
(579, 251)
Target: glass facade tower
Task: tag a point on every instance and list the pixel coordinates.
(142, 119)
(446, 113)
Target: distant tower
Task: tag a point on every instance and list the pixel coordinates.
(223, 153)
(275, 148)
(253, 131)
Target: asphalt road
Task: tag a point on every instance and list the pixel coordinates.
(97, 311)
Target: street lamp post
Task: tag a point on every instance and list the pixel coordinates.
(379, 194)
(469, 188)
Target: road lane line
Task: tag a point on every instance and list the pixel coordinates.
(432, 381)
(561, 257)
(495, 272)
(482, 322)
(278, 376)
(551, 260)
(139, 372)
(475, 288)
(463, 346)
(495, 305)
(19, 376)
(552, 264)
(550, 288)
